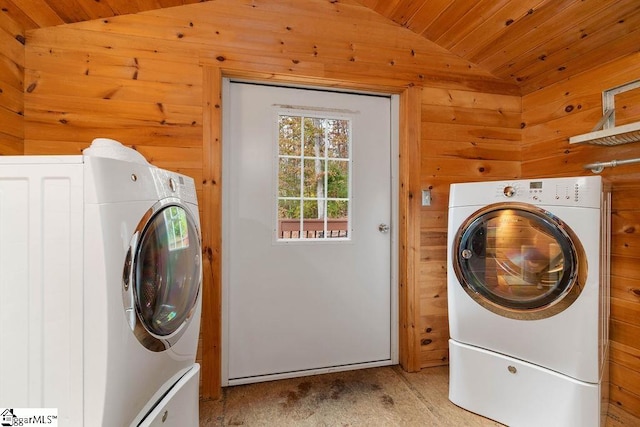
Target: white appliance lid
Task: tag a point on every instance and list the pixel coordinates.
(105, 147)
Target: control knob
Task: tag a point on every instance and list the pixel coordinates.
(509, 191)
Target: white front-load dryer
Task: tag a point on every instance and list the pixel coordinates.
(142, 296)
(528, 299)
(100, 277)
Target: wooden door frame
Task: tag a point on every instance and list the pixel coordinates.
(211, 216)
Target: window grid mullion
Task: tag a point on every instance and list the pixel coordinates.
(302, 138)
(326, 176)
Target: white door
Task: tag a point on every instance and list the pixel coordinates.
(308, 236)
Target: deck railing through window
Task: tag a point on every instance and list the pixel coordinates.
(312, 229)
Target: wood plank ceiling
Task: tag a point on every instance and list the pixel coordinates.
(533, 43)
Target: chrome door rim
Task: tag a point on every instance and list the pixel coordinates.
(563, 298)
(147, 338)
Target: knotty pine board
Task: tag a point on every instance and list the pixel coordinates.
(582, 24)
(409, 229)
(490, 28)
(12, 59)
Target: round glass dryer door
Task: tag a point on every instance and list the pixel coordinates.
(162, 275)
(519, 261)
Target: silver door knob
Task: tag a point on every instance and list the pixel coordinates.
(383, 228)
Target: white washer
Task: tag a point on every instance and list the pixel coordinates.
(102, 260)
(528, 297)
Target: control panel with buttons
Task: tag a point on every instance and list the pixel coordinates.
(581, 191)
(550, 191)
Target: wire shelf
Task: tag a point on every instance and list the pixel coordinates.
(613, 136)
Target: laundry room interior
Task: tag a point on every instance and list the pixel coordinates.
(504, 91)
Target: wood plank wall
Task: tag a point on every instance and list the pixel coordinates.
(11, 86)
(139, 79)
(570, 108)
(466, 136)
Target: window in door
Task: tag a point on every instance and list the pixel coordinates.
(314, 177)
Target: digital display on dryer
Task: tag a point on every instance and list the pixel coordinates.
(535, 185)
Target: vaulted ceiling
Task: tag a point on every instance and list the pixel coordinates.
(533, 43)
